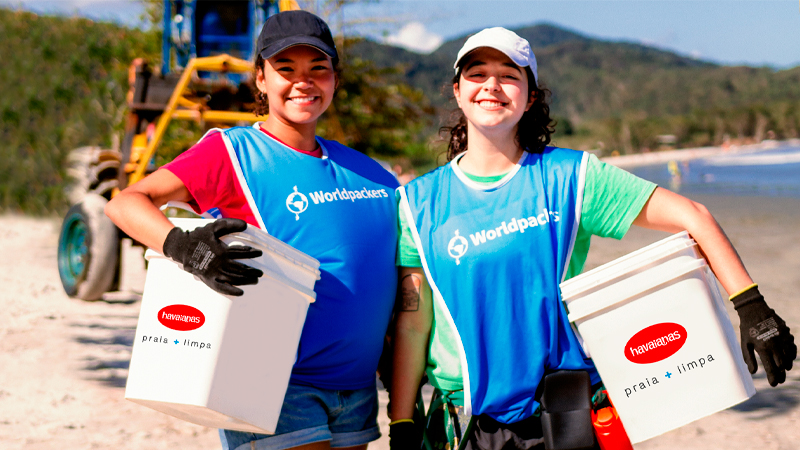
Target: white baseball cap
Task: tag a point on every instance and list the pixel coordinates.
(503, 40)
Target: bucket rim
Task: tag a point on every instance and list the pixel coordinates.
(631, 262)
(277, 247)
(254, 235)
(151, 254)
(659, 279)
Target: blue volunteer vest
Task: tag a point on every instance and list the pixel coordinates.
(341, 210)
(495, 256)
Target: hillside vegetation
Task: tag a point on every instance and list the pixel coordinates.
(64, 82)
(622, 96)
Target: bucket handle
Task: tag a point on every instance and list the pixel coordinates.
(186, 207)
(178, 205)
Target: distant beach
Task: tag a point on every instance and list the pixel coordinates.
(768, 169)
(686, 154)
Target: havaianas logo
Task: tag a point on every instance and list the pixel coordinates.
(296, 203)
(457, 247)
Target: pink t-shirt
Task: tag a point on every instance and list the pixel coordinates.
(208, 174)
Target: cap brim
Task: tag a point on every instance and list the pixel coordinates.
(283, 44)
(466, 53)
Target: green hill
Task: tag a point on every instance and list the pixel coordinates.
(621, 96)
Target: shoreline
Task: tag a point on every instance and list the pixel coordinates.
(686, 154)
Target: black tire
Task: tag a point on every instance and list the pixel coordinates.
(91, 170)
(88, 249)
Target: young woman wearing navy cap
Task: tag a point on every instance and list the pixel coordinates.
(493, 326)
(318, 196)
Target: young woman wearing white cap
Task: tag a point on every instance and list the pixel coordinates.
(317, 195)
(495, 231)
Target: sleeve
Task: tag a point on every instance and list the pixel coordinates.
(407, 253)
(208, 174)
(612, 199)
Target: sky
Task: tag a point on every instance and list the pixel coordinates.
(732, 32)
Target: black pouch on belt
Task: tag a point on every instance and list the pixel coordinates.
(567, 410)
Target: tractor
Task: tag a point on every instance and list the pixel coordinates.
(207, 47)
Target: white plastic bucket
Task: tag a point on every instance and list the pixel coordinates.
(219, 361)
(656, 326)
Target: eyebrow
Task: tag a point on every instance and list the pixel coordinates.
(289, 60)
(474, 64)
(483, 63)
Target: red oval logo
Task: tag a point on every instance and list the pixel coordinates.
(655, 343)
(181, 317)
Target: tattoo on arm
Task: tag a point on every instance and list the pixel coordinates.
(409, 292)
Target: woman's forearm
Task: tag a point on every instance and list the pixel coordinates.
(136, 215)
(667, 211)
(412, 332)
(136, 211)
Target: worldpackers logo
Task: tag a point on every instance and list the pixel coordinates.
(457, 247)
(181, 317)
(297, 202)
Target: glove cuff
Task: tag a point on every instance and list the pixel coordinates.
(401, 428)
(747, 297)
(173, 243)
(401, 421)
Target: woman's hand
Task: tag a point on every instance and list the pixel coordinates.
(204, 255)
(764, 332)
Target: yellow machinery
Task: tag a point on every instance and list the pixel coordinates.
(209, 43)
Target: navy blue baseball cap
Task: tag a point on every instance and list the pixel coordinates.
(290, 28)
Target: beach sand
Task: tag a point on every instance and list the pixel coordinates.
(64, 361)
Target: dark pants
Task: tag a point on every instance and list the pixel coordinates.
(489, 434)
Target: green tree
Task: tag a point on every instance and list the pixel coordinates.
(64, 83)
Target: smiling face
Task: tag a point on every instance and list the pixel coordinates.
(299, 83)
(492, 91)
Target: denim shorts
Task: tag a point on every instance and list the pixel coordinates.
(308, 415)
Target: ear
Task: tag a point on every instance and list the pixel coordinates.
(531, 99)
(261, 82)
(455, 94)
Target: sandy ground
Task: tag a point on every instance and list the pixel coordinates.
(64, 362)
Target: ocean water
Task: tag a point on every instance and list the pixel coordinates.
(767, 173)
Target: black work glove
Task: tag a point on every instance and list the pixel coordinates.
(204, 255)
(766, 333)
(404, 436)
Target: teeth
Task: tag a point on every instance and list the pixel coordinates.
(489, 104)
(303, 100)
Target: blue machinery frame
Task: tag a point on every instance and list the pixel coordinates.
(186, 28)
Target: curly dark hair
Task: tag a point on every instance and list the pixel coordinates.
(262, 105)
(533, 130)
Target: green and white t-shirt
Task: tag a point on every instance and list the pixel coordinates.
(612, 199)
